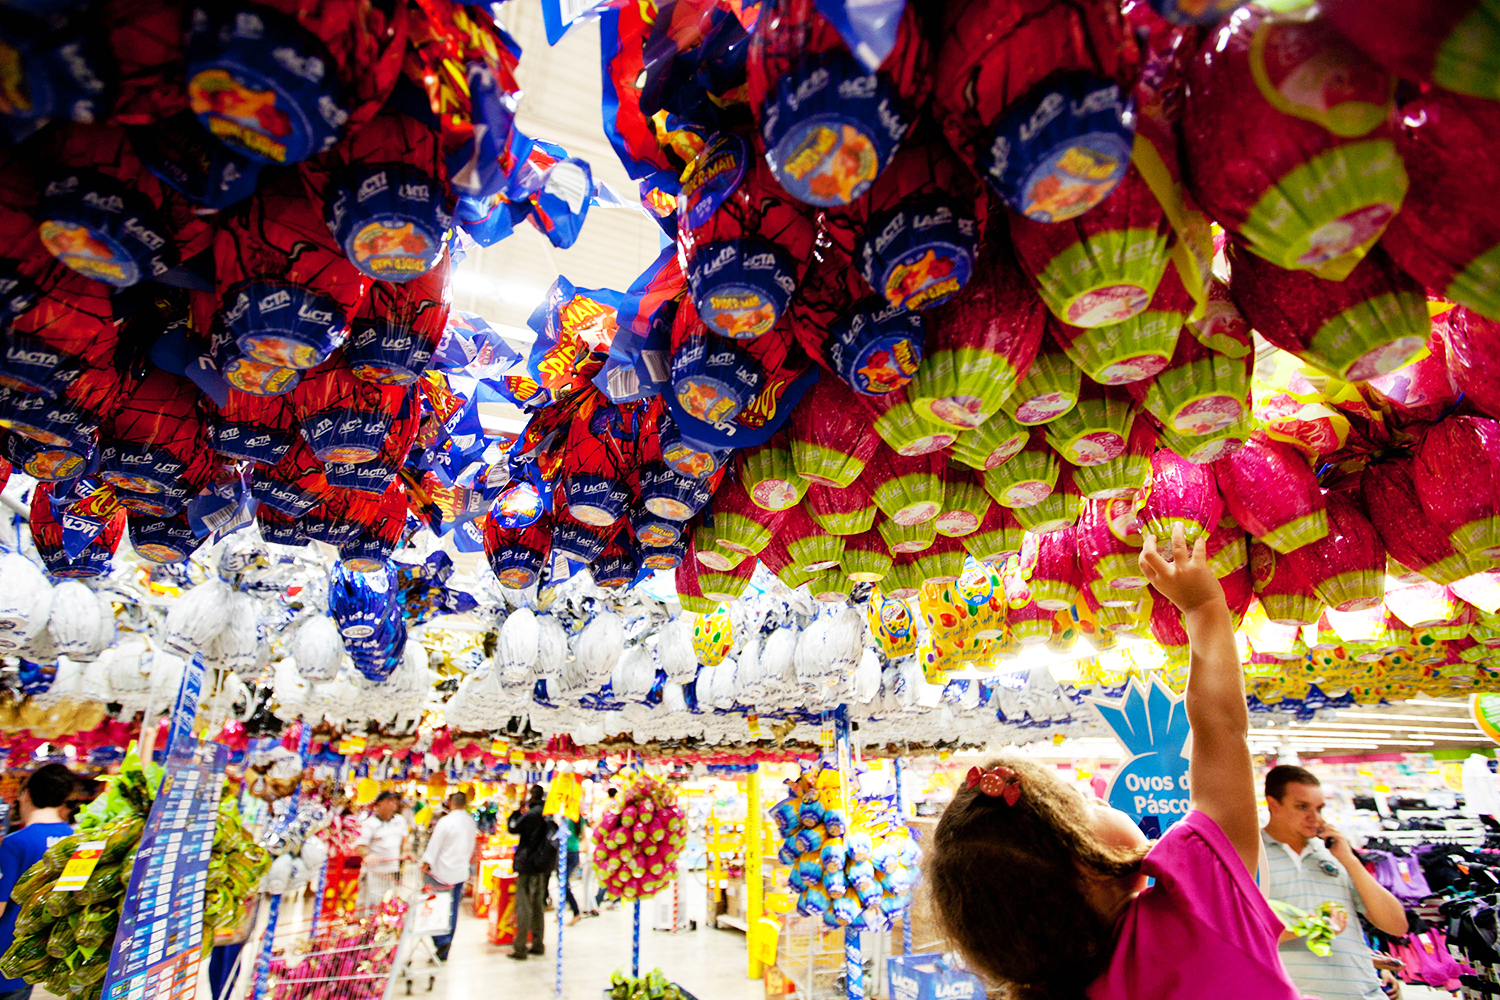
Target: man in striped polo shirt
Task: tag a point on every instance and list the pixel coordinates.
(1305, 871)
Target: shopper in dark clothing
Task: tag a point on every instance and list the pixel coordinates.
(536, 856)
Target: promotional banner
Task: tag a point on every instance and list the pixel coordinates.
(159, 941)
(1152, 785)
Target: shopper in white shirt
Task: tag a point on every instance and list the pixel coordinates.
(446, 860)
(384, 842)
(1303, 870)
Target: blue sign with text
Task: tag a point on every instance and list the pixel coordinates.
(1152, 786)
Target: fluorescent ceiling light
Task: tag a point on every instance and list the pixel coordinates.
(1405, 718)
(509, 290)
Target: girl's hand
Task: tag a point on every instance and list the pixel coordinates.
(1188, 583)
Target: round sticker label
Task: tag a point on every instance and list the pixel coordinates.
(1207, 414)
(669, 508)
(392, 249)
(775, 494)
(1347, 233)
(963, 412)
(1108, 305)
(1094, 448)
(1044, 406)
(516, 577)
(916, 513)
(658, 535)
(1127, 370)
(662, 560)
(709, 399)
(1074, 177)
(160, 552)
(827, 160)
(90, 252)
(1027, 493)
(927, 444)
(1385, 359)
(259, 378)
(53, 463)
(957, 522)
(1005, 451)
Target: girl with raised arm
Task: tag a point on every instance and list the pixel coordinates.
(1044, 889)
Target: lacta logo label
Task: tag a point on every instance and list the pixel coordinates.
(261, 441)
(113, 204)
(1104, 99)
(308, 67)
(953, 991)
(322, 427)
(904, 987)
(21, 356)
(811, 86)
(859, 87)
(351, 426)
(320, 316)
(279, 299)
(373, 185)
(414, 192)
(760, 262)
(152, 239)
(723, 257)
(61, 187)
(1052, 105)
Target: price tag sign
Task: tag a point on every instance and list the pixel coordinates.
(350, 745)
(753, 722)
(499, 748)
(944, 754)
(518, 756)
(75, 874)
(825, 735)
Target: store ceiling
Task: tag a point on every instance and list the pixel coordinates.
(560, 102)
(1417, 726)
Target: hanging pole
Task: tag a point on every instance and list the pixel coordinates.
(854, 963)
(901, 811)
(754, 881)
(635, 943)
(268, 937)
(562, 896)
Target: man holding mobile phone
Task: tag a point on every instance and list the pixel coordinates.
(1308, 863)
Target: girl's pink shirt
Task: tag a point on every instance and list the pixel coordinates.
(1202, 931)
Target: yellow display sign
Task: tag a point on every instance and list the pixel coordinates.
(499, 748)
(351, 745)
(81, 864)
(1486, 711)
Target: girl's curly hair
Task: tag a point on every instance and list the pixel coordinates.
(1007, 884)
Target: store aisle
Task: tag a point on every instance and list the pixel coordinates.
(710, 964)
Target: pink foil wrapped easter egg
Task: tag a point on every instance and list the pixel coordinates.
(1270, 489)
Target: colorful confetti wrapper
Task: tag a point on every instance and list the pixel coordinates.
(1057, 510)
(1447, 234)
(905, 539)
(828, 124)
(1270, 489)
(998, 536)
(281, 81)
(1027, 479)
(907, 489)
(1286, 141)
(1453, 45)
(744, 242)
(1346, 567)
(980, 345)
(770, 476)
(808, 545)
(1368, 323)
(398, 326)
(1457, 477)
(846, 511)
(866, 558)
(965, 504)
(1109, 544)
(830, 435)
(1037, 103)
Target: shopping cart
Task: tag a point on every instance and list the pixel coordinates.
(359, 954)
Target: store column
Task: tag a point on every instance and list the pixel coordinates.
(754, 879)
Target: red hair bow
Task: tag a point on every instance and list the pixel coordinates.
(997, 783)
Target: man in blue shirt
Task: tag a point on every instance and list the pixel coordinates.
(42, 798)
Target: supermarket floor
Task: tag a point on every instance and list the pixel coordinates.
(710, 964)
